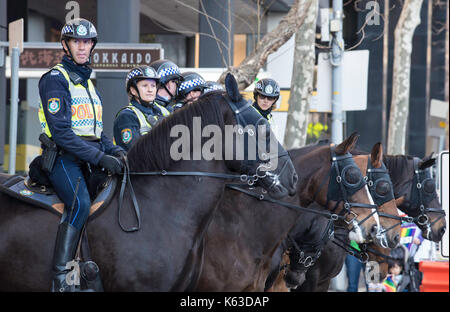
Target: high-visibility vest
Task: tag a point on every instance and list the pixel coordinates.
(269, 116)
(146, 123)
(86, 109)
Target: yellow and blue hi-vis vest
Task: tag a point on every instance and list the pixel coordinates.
(86, 108)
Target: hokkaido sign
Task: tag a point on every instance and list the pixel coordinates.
(115, 57)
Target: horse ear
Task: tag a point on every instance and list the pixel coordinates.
(348, 144)
(376, 156)
(427, 162)
(232, 88)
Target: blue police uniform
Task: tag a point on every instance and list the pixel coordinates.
(65, 119)
(135, 120)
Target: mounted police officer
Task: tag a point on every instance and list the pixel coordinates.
(190, 89)
(169, 80)
(266, 94)
(143, 112)
(70, 113)
(212, 86)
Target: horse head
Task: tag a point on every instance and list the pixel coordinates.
(345, 193)
(416, 195)
(387, 233)
(264, 157)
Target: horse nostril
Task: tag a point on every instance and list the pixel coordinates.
(295, 179)
(374, 230)
(442, 230)
(396, 240)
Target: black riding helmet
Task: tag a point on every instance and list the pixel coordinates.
(267, 87)
(191, 82)
(79, 28)
(140, 73)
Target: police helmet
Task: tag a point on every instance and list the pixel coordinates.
(167, 70)
(79, 28)
(213, 86)
(191, 82)
(140, 73)
(267, 87)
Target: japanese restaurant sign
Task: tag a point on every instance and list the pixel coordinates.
(108, 57)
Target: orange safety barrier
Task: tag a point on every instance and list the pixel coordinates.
(435, 276)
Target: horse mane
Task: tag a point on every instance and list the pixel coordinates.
(151, 152)
(295, 152)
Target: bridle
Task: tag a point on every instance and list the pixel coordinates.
(381, 189)
(344, 165)
(244, 116)
(423, 191)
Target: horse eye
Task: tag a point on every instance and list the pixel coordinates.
(353, 175)
(383, 188)
(429, 186)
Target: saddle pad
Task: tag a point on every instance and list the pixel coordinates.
(51, 202)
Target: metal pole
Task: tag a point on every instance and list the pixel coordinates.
(337, 50)
(14, 110)
(384, 116)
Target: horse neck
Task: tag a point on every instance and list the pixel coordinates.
(396, 166)
(307, 165)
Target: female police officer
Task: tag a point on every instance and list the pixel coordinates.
(266, 94)
(142, 112)
(70, 113)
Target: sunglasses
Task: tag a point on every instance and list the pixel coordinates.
(270, 98)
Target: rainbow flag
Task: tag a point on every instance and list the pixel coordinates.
(389, 285)
(407, 236)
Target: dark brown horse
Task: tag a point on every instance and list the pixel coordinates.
(402, 170)
(245, 232)
(175, 211)
(309, 236)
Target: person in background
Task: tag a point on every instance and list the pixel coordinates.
(142, 112)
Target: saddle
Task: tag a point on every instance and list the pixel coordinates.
(22, 188)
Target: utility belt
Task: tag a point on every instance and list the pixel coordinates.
(50, 150)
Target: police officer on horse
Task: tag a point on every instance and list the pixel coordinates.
(143, 112)
(70, 114)
(266, 94)
(169, 80)
(190, 89)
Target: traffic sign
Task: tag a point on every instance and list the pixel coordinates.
(15, 33)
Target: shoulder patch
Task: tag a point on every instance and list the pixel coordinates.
(126, 135)
(54, 104)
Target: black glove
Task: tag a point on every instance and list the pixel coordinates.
(111, 163)
(122, 155)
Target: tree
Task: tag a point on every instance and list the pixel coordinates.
(246, 72)
(302, 81)
(404, 31)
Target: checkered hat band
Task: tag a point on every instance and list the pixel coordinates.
(67, 29)
(191, 83)
(169, 71)
(133, 73)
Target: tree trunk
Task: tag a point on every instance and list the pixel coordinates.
(302, 81)
(404, 31)
(246, 72)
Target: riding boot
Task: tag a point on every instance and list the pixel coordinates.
(65, 249)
